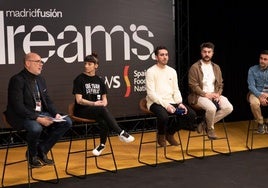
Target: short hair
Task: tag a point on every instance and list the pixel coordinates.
(156, 51)
(207, 45)
(92, 58)
(28, 56)
(264, 52)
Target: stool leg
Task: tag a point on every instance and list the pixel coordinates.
(204, 139)
(86, 151)
(140, 146)
(69, 153)
(187, 145)
(248, 135)
(6, 163)
(203, 135)
(30, 169)
(174, 123)
(96, 158)
(109, 153)
(142, 142)
(181, 150)
(227, 141)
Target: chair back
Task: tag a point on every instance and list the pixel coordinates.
(71, 109)
(7, 125)
(143, 106)
(75, 118)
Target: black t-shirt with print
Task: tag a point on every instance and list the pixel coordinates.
(90, 87)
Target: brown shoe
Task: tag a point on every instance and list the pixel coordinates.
(200, 127)
(161, 140)
(171, 140)
(211, 134)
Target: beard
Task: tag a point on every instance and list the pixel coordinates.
(263, 66)
(206, 59)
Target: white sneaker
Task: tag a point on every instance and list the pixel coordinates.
(97, 151)
(125, 137)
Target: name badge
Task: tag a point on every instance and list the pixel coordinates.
(38, 106)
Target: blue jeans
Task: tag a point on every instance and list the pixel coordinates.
(40, 138)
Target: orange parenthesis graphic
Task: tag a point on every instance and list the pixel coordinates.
(127, 81)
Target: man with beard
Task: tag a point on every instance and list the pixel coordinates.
(206, 86)
(258, 90)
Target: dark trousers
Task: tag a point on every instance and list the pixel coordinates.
(163, 122)
(38, 140)
(104, 118)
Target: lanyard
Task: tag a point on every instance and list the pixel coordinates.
(36, 92)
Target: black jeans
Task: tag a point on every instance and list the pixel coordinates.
(104, 118)
(164, 126)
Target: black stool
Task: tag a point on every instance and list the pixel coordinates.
(88, 126)
(149, 116)
(13, 134)
(252, 129)
(191, 134)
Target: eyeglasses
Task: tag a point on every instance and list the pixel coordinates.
(36, 61)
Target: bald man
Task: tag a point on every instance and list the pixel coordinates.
(30, 107)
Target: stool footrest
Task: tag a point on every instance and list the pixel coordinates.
(142, 143)
(86, 151)
(205, 139)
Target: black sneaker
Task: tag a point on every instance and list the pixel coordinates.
(34, 161)
(43, 158)
(97, 151)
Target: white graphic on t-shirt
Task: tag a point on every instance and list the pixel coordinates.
(92, 88)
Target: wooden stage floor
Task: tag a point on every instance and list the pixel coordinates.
(126, 155)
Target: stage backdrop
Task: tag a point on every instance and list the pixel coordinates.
(124, 33)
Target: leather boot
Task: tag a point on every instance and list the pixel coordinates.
(44, 159)
(161, 140)
(211, 134)
(34, 161)
(171, 140)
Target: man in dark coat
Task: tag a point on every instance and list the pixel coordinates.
(29, 107)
